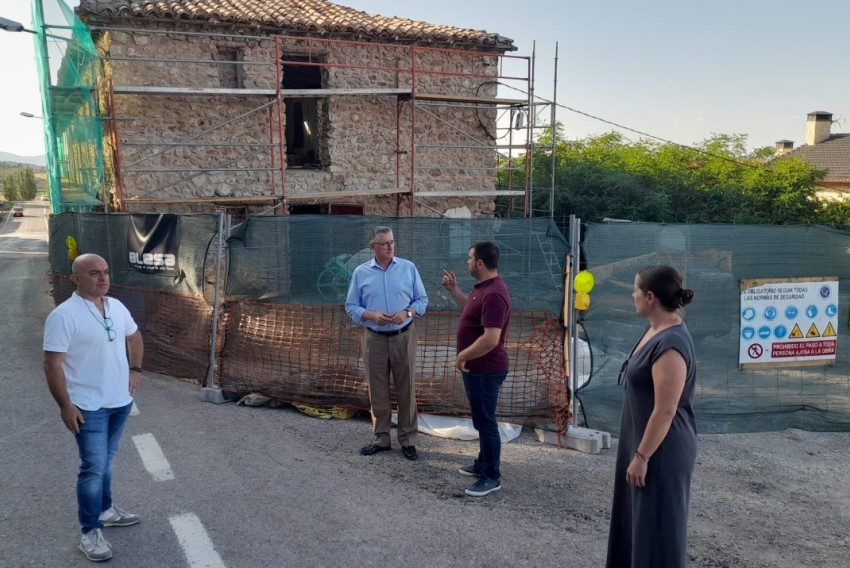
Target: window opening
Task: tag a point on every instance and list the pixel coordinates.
(311, 209)
(345, 209)
(303, 127)
(230, 73)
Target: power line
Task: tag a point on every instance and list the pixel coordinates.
(652, 136)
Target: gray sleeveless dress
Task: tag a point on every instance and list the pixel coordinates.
(649, 525)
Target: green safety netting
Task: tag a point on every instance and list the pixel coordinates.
(68, 65)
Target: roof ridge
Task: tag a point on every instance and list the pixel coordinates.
(306, 16)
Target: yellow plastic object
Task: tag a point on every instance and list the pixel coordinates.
(583, 282)
(71, 243)
(582, 301)
(327, 413)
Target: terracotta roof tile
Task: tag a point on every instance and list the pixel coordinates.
(292, 16)
(832, 154)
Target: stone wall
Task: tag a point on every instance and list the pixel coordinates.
(365, 140)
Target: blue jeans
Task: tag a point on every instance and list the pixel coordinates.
(98, 443)
(482, 391)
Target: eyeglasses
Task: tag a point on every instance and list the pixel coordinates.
(107, 325)
(107, 322)
(385, 244)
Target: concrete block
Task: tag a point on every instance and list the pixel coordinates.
(218, 396)
(584, 440)
(579, 439)
(547, 436)
(604, 437)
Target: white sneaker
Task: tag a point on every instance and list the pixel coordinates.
(95, 547)
(115, 516)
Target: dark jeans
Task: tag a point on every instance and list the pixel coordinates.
(98, 443)
(482, 391)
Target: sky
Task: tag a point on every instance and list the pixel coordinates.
(679, 70)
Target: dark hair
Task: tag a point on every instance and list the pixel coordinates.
(666, 284)
(487, 252)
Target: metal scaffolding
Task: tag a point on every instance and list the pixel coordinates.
(139, 165)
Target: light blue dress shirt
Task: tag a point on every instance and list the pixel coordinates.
(388, 291)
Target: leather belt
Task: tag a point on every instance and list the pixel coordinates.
(391, 333)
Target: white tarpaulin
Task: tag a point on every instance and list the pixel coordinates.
(460, 428)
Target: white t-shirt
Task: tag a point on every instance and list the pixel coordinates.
(97, 372)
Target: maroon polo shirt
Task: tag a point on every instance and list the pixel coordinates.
(488, 305)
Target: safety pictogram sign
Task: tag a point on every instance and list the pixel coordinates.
(772, 307)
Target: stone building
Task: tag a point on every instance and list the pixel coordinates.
(301, 106)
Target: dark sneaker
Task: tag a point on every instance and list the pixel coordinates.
(484, 486)
(115, 516)
(469, 471)
(95, 547)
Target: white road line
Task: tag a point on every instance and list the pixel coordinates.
(152, 457)
(197, 546)
(135, 410)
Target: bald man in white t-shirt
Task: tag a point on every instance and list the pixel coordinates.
(93, 363)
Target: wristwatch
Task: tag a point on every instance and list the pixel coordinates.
(408, 312)
(136, 369)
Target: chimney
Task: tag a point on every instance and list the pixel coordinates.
(783, 147)
(818, 124)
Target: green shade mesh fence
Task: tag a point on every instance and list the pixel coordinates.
(282, 329)
(713, 260)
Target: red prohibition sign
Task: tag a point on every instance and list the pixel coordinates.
(755, 350)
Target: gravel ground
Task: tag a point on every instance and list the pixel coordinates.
(776, 499)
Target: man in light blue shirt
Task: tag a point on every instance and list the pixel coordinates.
(384, 295)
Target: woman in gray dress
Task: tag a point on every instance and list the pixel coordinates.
(658, 445)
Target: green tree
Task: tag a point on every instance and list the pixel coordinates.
(27, 188)
(718, 180)
(10, 187)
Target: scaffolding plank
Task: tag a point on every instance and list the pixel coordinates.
(470, 193)
(200, 169)
(286, 93)
(295, 93)
(470, 100)
(218, 200)
(343, 194)
(318, 195)
(134, 90)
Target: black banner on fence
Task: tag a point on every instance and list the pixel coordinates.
(152, 243)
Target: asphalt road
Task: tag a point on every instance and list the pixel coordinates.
(258, 487)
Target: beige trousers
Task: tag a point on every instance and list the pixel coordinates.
(385, 357)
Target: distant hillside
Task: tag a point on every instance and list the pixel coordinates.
(39, 161)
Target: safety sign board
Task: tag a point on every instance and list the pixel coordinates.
(790, 321)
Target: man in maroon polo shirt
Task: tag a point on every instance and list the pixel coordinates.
(482, 358)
